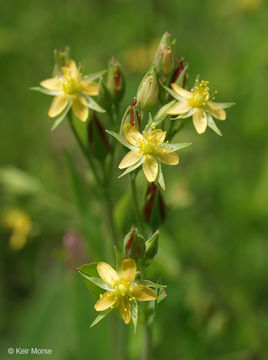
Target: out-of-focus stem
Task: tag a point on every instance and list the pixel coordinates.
(136, 203)
(147, 344)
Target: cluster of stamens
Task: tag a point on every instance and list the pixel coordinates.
(70, 83)
(146, 145)
(201, 94)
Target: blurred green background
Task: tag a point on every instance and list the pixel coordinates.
(213, 246)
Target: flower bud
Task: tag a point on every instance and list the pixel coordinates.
(154, 211)
(134, 245)
(148, 90)
(104, 96)
(151, 248)
(180, 76)
(164, 57)
(97, 139)
(115, 80)
(132, 115)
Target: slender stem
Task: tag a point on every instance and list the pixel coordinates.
(147, 345)
(136, 203)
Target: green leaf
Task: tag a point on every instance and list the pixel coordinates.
(120, 138)
(212, 125)
(100, 317)
(118, 257)
(59, 119)
(92, 104)
(134, 314)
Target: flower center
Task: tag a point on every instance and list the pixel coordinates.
(200, 94)
(70, 83)
(121, 288)
(147, 145)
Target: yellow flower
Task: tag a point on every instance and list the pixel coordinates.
(20, 224)
(123, 289)
(68, 90)
(147, 148)
(197, 103)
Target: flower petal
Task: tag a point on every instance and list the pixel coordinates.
(52, 84)
(89, 87)
(200, 120)
(133, 136)
(124, 308)
(181, 107)
(215, 111)
(128, 270)
(107, 273)
(156, 137)
(181, 92)
(106, 300)
(167, 156)
(150, 168)
(58, 104)
(72, 68)
(79, 107)
(130, 159)
(142, 293)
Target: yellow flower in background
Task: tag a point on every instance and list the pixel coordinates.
(69, 89)
(147, 149)
(123, 289)
(198, 104)
(20, 224)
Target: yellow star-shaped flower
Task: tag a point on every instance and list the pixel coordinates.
(123, 289)
(147, 149)
(68, 90)
(197, 103)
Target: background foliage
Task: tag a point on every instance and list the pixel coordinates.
(213, 248)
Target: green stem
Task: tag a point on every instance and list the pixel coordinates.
(147, 345)
(136, 203)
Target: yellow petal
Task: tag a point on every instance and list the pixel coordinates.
(150, 168)
(106, 300)
(181, 107)
(133, 136)
(142, 293)
(156, 137)
(124, 308)
(89, 87)
(200, 120)
(128, 270)
(167, 156)
(215, 111)
(72, 68)
(52, 84)
(181, 92)
(107, 273)
(79, 107)
(58, 104)
(130, 159)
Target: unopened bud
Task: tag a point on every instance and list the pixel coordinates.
(97, 139)
(164, 57)
(151, 248)
(115, 80)
(104, 96)
(148, 90)
(180, 76)
(154, 210)
(134, 245)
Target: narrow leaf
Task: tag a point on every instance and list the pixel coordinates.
(212, 125)
(100, 317)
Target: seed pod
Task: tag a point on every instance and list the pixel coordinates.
(148, 90)
(134, 245)
(164, 57)
(151, 248)
(115, 80)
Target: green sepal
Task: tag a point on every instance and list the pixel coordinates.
(120, 138)
(177, 146)
(223, 105)
(60, 118)
(134, 314)
(131, 168)
(171, 92)
(151, 248)
(101, 316)
(160, 177)
(152, 284)
(162, 113)
(92, 104)
(118, 258)
(90, 275)
(44, 91)
(180, 79)
(212, 125)
(96, 75)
